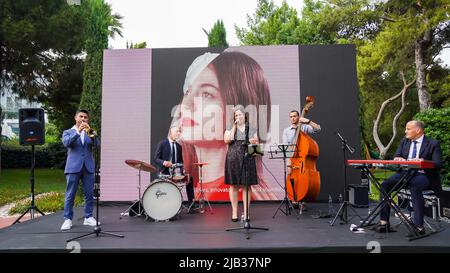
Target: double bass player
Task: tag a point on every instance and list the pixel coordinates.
(290, 133)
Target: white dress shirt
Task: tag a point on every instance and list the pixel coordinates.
(80, 134)
(418, 146)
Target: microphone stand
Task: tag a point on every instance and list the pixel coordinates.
(246, 156)
(342, 212)
(97, 230)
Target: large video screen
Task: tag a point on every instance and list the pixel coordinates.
(147, 91)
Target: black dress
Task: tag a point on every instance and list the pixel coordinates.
(235, 172)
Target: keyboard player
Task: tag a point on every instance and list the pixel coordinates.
(415, 146)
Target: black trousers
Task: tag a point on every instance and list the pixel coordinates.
(190, 190)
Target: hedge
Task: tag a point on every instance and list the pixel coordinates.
(51, 155)
(437, 124)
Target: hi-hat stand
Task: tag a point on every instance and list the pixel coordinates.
(201, 197)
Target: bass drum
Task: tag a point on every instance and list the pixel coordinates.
(162, 200)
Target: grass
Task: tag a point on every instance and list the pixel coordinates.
(381, 175)
(15, 186)
(50, 202)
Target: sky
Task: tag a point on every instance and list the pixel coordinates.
(179, 23)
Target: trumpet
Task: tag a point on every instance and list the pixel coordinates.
(90, 132)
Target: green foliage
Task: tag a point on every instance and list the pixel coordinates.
(437, 123)
(439, 85)
(321, 22)
(101, 24)
(217, 36)
(34, 37)
(49, 155)
(52, 134)
(40, 44)
(273, 25)
(136, 46)
(62, 98)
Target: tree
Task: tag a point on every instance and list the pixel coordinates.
(62, 98)
(397, 44)
(273, 25)
(101, 25)
(422, 29)
(217, 36)
(33, 37)
(36, 37)
(139, 45)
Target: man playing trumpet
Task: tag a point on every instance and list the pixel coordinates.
(79, 165)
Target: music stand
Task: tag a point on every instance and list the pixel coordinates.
(252, 150)
(201, 195)
(283, 151)
(97, 230)
(141, 166)
(342, 212)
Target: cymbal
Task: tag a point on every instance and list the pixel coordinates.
(200, 164)
(140, 165)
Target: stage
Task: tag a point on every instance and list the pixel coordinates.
(197, 233)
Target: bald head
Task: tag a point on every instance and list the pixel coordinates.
(414, 129)
(174, 132)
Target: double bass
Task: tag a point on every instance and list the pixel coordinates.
(303, 183)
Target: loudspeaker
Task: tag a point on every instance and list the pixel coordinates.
(358, 195)
(31, 126)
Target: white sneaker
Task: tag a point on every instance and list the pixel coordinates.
(90, 222)
(67, 224)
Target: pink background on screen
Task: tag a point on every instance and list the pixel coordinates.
(126, 98)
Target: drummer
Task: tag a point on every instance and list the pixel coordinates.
(168, 153)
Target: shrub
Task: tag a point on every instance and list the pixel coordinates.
(49, 155)
(437, 124)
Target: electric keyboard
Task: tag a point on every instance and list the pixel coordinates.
(411, 164)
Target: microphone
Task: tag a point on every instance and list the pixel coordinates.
(350, 149)
(246, 128)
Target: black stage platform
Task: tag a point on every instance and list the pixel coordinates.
(190, 233)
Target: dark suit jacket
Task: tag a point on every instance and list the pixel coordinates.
(430, 150)
(164, 153)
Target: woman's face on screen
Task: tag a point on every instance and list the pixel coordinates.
(201, 110)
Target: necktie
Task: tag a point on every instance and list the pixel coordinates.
(414, 153)
(173, 152)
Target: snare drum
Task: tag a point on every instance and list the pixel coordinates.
(177, 172)
(162, 200)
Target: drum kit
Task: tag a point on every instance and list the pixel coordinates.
(162, 199)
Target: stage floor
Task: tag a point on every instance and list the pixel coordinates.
(206, 232)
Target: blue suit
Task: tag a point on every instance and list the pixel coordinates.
(79, 165)
(429, 179)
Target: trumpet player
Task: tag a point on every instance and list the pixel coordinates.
(79, 165)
